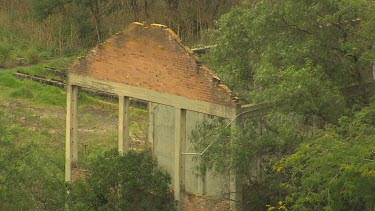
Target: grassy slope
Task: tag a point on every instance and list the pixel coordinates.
(32, 138)
(39, 112)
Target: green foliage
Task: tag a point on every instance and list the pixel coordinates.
(30, 177)
(45, 8)
(16, 51)
(230, 57)
(5, 53)
(335, 170)
(334, 36)
(8, 80)
(250, 153)
(32, 56)
(312, 150)
(116, 182)
(215, 134)
(305, 91)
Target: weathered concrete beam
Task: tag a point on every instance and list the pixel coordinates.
(150, 125)
(202, 50)
(180, 145)
(153, 96)
(253, 110)
(123, 125)
(71, 144)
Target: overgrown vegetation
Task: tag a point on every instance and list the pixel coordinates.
(31, 176)
(129, 182)
(36, 30)
(314, 148)
(32, 168)
(32, 134)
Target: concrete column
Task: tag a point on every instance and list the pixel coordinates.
(150, 128)
(123, 125)
(71, 144)
(235, 184)
(180, 145)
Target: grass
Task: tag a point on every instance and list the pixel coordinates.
(40, 69)
(12, 88)
(39, 114)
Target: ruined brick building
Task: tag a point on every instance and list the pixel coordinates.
(150, 63)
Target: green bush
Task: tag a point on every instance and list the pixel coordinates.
(129, 182)
(5, 53)
(32, 56)
(31, 176)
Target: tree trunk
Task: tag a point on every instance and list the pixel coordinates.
(95, 10)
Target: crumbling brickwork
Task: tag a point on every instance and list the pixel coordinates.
(153, 57)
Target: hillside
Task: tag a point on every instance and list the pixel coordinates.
(32, 139)
(310, 64)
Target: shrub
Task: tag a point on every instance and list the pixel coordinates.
(129, 182)
(5, 53)
(32, 56)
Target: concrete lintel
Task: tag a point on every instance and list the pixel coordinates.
(71, 144)
(253, 110)
(123, 125)
(153, 96)
(180, 145)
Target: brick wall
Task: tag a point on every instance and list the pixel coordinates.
(152, 57)
(194, 202)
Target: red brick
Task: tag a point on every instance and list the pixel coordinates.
(153, 57)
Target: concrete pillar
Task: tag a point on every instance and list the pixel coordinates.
(71, 144)
(150, 128)
(235, 184)
(123, 125)
(180, 145)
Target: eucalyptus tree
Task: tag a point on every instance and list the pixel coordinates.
(298, 57)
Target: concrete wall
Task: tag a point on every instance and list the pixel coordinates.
(164, 125)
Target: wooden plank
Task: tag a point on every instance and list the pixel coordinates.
(153, 96)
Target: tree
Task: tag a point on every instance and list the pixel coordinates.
(81, 12)
(116, 182)
(334, 170)
(297, 57)
(268, 37)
